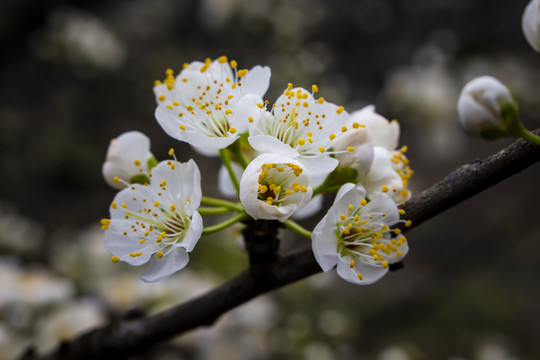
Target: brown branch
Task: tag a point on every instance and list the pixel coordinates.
(130, 336)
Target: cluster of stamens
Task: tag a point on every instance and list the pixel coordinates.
(211, 106)
(275, 185)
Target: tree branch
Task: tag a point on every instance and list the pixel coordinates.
(130, 336)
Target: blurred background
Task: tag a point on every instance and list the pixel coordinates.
(74, 74)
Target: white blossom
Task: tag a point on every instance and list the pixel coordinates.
(530, 24)
(274, 187)
(301, 127)
(210, 104)
(128, 156)
(355, 236)
(486, 108)
(157, 222)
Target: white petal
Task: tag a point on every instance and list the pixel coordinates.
(320, 165)
(257, 80)
(225, 184)
(324, 244)
(246, 108)
(370, 273)
(383, 132)
(313, 206)
(269, 144)
(160, 269)
(194, 232)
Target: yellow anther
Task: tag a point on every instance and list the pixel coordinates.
(115, 259)
(346, 231)
(408, 223)
(142, 241)
(157, 82)
(314, 88)
(159, 254)
(343, 128)
(404, 149)
(113, 205)
(243, 72)
(234, 64)
(332, 136)
(321, 149)
(401, 211)
(232, 130)
(182, 127)
(228, 112)
(260, 105)
(173, 207)
(350, 207)
(124, 205)
(384, 188)
(161, 97)
(137, 162)
(343, 216)
(360, 277)
(399, 254)
(340, 109)
(250, 119)
(301, 141)
(385, 264)
(222, 59)
(351, 264)
(363, 202)
(171, 151)
(116, 179)
(304, 189)
(288, 192)
(156, 203)
(350, 148)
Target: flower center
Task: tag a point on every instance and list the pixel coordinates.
(280, 183)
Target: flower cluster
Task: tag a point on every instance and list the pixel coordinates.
(278, 161)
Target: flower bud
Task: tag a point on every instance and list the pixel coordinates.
(128, 159)
(530, 24)
(487, 108)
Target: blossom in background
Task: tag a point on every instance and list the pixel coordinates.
(157, 222)
(487, 108)
(208, 105)
(301, 127)
(389, 172)
(530, 24)
(128, 160)
(356, 236)
(274, 187)
(354, 150)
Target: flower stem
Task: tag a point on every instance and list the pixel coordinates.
(227, 162)
(528, 136)
(225, 224)
(291, 225)
(235, 149)
(221, 203)
(214, 210)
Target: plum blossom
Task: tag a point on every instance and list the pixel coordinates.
(301, 127)
(274, 187)
(530, 24)
(208, 105)
(356, 236)
(159, 222)
(128, 159)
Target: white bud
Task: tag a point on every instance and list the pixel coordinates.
(530, 24)
(487, 108)
(127, 157)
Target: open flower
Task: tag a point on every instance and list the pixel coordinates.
(209, 104)
(301, 127)
(356, 236)
(274, 187)
(157, 222)
(128, 160)
(353, 149)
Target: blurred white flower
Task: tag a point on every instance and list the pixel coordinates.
(32, 287)
(128, 158)
(70, 320)
(355, 235)
(159, 222)
(225, 184)
(274, 187)
(301, 127)
(487, 108)
(382, 132)
(354, 150)
(530, 24)
(208, 105)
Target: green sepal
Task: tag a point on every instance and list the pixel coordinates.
(152, 162)
(140, 179)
